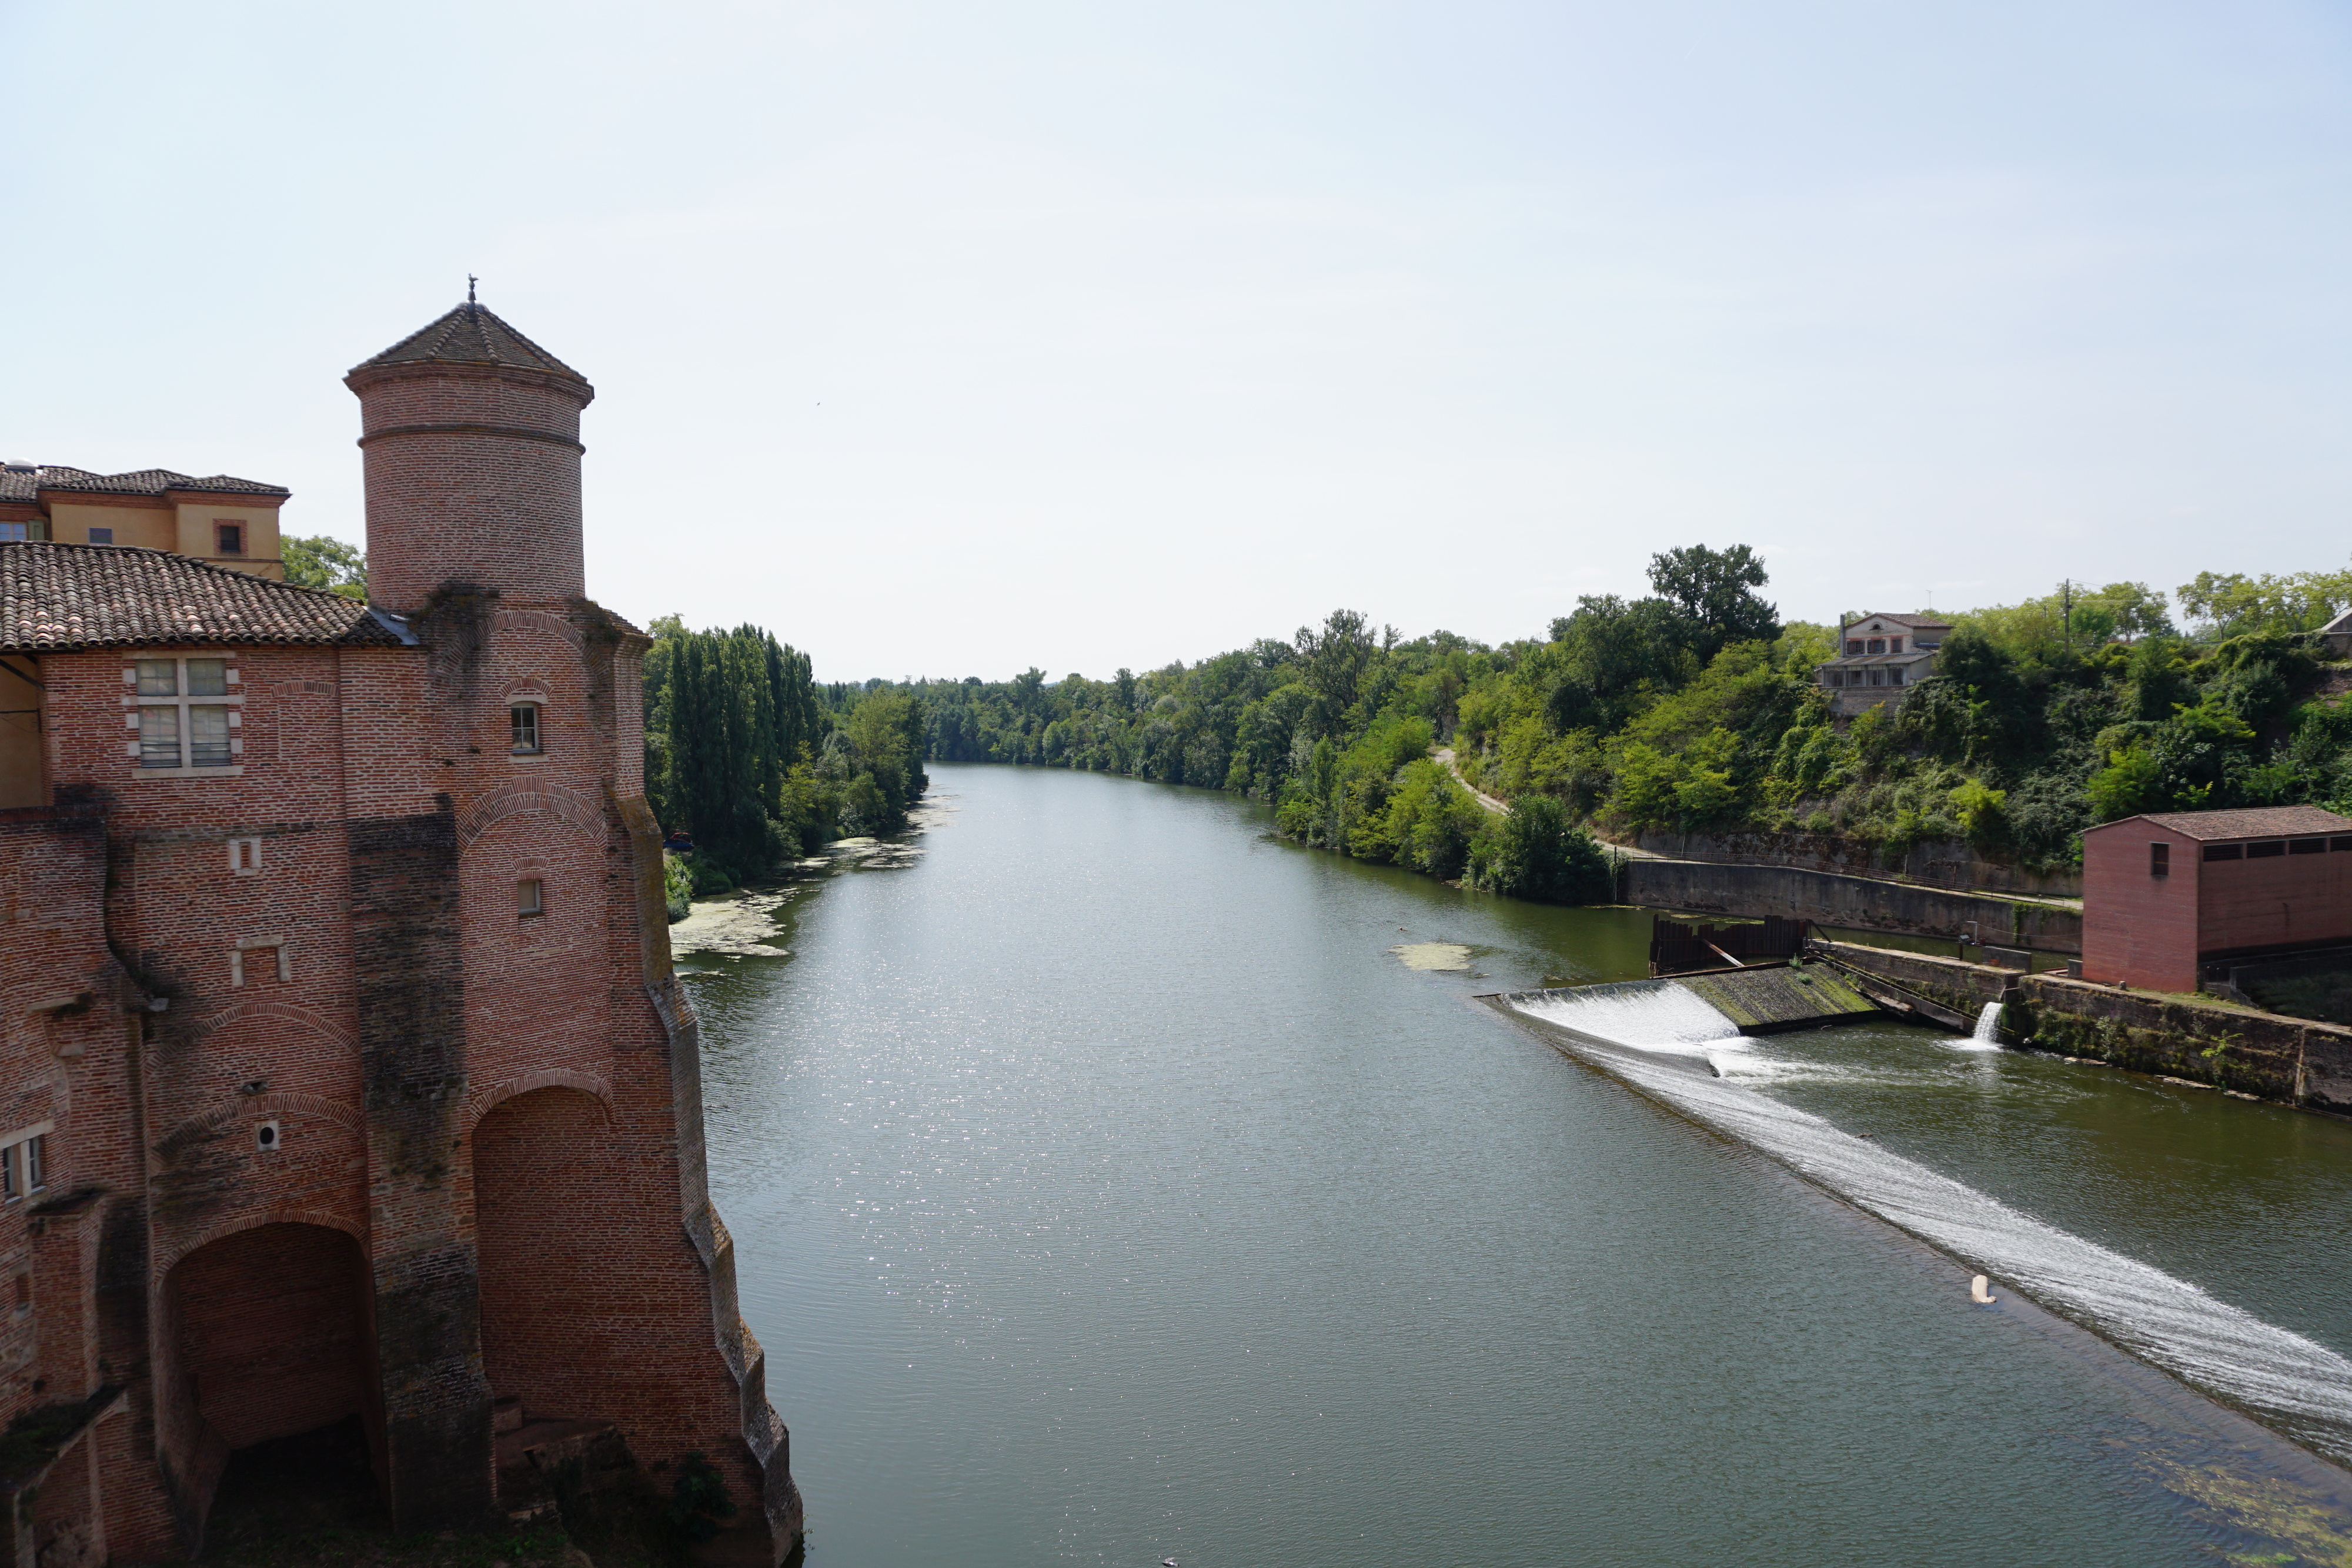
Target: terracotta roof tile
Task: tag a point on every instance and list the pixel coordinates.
(472, 335)
(2253, 822)
(21, 484)
(58, 597)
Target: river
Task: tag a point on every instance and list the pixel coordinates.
(1106, 1190)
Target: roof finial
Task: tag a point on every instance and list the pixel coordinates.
(470, 281)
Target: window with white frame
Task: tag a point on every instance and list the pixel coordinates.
(24, 1164)
(185, 711)
(530, 897)
(522, 724)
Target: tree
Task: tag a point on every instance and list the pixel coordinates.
(1714, 592)
(1335, 658)
(2233, 604)
(320, 562)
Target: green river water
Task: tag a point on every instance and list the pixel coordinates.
(1107, 1190)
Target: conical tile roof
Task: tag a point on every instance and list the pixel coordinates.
(472, 335)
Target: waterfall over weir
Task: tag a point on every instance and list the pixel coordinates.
(1655, 1035)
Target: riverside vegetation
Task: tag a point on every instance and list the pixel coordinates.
(759, 763)
(1695, 708)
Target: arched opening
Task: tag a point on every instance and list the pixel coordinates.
(268, 1334)
(552, 1309)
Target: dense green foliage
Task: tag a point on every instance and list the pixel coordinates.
(758, 764)
(1695, 710)
(320, 562)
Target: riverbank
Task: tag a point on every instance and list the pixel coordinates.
(1109, 1157)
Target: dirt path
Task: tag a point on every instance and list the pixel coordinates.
(1445, 755)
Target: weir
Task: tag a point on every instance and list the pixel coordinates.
(1665, 1041)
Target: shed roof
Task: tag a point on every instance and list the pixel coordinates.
(57, 598)
(2253, 822)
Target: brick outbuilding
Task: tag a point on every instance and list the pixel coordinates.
(343, 1075)
(2165, 894)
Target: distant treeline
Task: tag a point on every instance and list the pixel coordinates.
(1696, 709)
(760, 764)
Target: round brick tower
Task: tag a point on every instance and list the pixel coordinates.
(472, 437)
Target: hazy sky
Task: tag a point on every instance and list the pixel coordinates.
(945, 338)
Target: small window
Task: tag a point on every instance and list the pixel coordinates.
(15, 533)
(1878, 677)
(268, 1136)
(2340, 844)
(2159, 859)
(245, 856)
(101, 536)
(209, 737)
(230, 536)
(529, 898)
(159, 677)
(1893, 674)
(2225, 852)
(36, 1161)
(2307, 847)
(23, 1294)
(11, 1184)
(2266, 852)
(1878, 645)
(1852, 646)
(1894, 645)
(523, 719)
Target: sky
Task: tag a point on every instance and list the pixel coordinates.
(948, 340)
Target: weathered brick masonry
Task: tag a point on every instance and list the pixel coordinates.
(342, 1073)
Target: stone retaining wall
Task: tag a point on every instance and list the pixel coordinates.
(1863, 904)
(2267, 1055)
(1932, 862)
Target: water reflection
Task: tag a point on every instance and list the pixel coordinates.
(1107, 1190)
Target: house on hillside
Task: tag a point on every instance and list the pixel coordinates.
(2336, 636)
(1879, 659)
(2167, 894)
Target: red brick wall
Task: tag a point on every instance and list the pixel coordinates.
(2275, 901)
(476, 504)
(273, 1331)
(2138, 929)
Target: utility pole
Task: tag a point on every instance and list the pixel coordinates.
(2066, 603)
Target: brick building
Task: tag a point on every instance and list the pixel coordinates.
(1879, 659)
(343, 1076)
(2166, 895)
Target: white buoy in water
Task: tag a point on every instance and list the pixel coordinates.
(1979, 1294)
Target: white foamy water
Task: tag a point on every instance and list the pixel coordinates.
(2301, 1385)
(1987, 1031)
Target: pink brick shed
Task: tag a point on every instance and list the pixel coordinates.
(343, 1075)
(2165, 893)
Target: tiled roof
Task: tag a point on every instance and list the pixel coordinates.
(57, 598)
(472, 335)
(2255, 822)
(1911, 658)
(22, 484)
(1902, 620)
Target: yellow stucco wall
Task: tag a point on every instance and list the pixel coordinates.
(196, 536)
(147, 527)
(183, 530)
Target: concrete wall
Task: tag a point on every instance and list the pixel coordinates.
(2267, 1055)
(1865, 903)
(1934, 862)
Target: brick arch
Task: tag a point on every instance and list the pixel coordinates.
(342, 1112)
(166, 1258)
(490, 1096)
(316, 1022)
(538, 621)
(513, 800)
